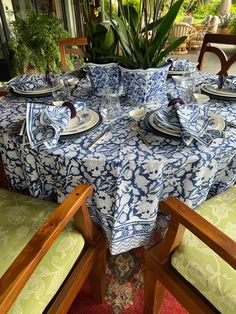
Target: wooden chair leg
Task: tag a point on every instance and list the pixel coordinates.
(158, 298)
(97, 277)
(153, 293)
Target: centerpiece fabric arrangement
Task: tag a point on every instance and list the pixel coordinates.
(143, 47)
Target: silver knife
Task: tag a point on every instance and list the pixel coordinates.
(233, 125)
(98, 137)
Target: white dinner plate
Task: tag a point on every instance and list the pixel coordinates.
(38, 91)
(83, 122)
(217, 123)
(214, 90)
(171, 72)
(162, 128)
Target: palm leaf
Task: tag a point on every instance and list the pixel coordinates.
(159, 58)
(164, 29)
(131, 15)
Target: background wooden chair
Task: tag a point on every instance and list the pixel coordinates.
(49, 252)
(182, 29)
(213, 24)
(66, 47)
(225, 61)
(202, 280)
(188, 20)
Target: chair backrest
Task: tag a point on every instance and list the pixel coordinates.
(207, 47)
(160, 270)
(66, 47)
(90, 262)
(188, 20)
(181, 29)
(213, 24)
(207, 20)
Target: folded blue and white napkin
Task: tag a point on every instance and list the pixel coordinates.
(44, 125)
(188, 120)
(28, 82)
(227, 83)
(183, 65)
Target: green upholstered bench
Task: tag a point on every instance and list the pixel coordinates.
(184, 263)
(76, 253)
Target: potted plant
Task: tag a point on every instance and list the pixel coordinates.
(102, 44)
(34, 43)
(145, 45)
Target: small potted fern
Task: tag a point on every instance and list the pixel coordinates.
(34, 43)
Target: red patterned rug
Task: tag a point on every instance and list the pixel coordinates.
(124, 294)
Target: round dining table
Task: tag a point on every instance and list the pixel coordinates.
(129, 177)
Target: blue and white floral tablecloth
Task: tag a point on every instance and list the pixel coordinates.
(129, 178)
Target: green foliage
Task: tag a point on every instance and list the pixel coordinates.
(34, 42)
(201, 11)
(102, 39)
(143, 36)
(233, 9)
(232, 26)
(181, 15)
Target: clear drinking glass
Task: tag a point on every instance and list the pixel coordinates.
(188, 86)
(110, 108)
(60, 94)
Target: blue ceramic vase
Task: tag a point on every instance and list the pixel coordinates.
(143, 86)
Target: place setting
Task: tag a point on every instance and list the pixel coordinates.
(35, 86)
(223, 88)
(179, 67)
(187, 122)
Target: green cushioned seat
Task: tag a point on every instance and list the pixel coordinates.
(203, 268)
(21, 216)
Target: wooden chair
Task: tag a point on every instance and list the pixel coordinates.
(66, 47)
(50, 237)
(186, 266)
(210, 39)
(182, 29)
(213, 24)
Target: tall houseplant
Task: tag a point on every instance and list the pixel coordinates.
(145, 45)
(34, 42)
(102, 44)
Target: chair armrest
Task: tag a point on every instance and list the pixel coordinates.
(23, 266)
(183, 216)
